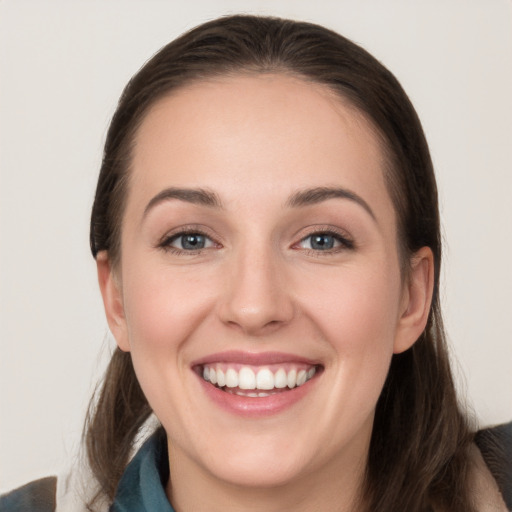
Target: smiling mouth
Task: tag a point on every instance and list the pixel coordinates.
(257, 382)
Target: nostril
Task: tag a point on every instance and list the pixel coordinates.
(255, 326)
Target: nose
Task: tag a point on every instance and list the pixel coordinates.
(256, 298)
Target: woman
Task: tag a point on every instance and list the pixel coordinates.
(266, 233)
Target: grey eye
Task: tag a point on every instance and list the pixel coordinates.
(191, 242)
(325, 241)
(322, 242)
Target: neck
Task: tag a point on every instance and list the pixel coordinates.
(333, 488)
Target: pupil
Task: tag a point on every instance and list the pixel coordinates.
(192, 241)
(322, 242)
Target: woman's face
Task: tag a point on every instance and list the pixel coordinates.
(259, 248)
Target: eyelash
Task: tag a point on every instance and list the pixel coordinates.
(165, 243)
(344, 242)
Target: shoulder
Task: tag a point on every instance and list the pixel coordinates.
(36, 496)
(495, 445)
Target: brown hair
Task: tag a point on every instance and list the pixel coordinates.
(419, 452)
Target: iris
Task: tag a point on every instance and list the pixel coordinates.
(191, 241)
(322, 242)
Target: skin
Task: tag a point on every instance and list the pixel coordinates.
(258, 286)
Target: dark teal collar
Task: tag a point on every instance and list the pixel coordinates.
(142, 486)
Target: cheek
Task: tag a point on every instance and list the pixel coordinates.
(162, 308)
(357, 309)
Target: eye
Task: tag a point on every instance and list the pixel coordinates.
(326, 242)
(187, 242)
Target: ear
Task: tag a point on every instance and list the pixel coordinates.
(112, 300)
(416, 300)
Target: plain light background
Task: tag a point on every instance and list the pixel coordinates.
(63, 66)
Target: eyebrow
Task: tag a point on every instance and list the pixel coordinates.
(198, 196)
(300, 198)
(318, 194)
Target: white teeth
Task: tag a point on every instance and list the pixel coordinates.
(221, 378)
(246, 378)
(292, 378)
(263, 379)
(280, 379)
(231, 378)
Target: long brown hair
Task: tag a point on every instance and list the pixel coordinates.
(419, 452)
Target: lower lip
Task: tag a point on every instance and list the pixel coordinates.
(256, 406)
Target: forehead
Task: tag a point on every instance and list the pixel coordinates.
(260, 133)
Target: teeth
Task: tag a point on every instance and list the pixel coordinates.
(246, 379)
(221, 378)
(292, 378)
(231, 378)
(263, 379)
(301, 377)
(281, 380)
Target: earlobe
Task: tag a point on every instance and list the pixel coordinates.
(417, 300)
(112, 300)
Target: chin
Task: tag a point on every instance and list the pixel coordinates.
(259, 472)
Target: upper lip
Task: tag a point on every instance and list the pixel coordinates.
(253, 358)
